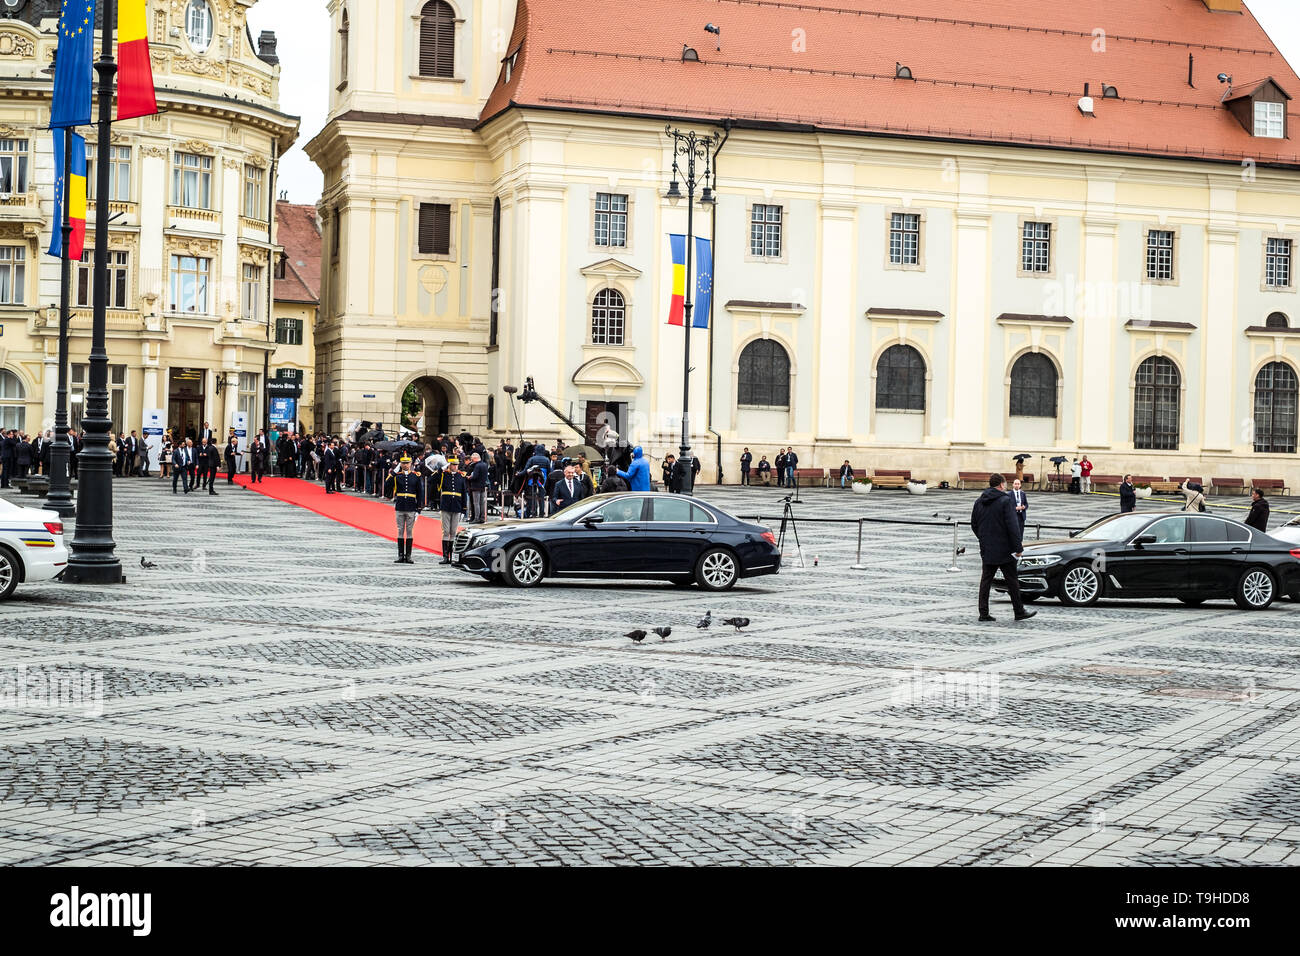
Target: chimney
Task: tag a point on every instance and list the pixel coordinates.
(1223, 6)
(266, 47)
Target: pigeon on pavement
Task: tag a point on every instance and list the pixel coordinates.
(706, 620)
(146, 564)
(737, 622)
(637, 636)
(663, 632)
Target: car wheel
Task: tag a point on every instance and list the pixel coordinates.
(1080, 585)
(1256, 589)
(9, 572)
(717, 570)
(1192, 601)
(525, 565)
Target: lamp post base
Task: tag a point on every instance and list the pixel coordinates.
(81, 571)
(65, 508)
(687, 462)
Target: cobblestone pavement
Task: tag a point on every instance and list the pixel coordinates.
(276, 691)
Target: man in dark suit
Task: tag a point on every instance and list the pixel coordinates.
(993, 520)
(205, 433)
(567, 490)
(182, 464)
(745, 460)
(331, 466)
(257, 458)
(1021, 502)
(1127, 495)
(212, 456)
(232, 459)
(478, 479)
(8, 457)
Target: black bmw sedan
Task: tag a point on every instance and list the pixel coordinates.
(1192, 557)
(622, 536)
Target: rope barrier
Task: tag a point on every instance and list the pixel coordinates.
(1180, 501)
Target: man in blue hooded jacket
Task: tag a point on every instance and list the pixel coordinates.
(637, 475)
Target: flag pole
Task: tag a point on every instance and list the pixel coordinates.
(93, 558)
(59, 497)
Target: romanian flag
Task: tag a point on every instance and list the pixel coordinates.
(70, 187)
(677, 310)
(135, 93)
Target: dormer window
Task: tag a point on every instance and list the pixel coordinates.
(1270, 120)
(510, 64)
(1260, 107)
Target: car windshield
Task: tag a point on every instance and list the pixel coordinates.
(1114, 528)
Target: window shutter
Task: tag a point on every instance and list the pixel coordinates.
(437, 40)
(435, 229)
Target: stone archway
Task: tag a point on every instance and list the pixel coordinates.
(439, 406)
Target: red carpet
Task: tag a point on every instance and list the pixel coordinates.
(374, 515)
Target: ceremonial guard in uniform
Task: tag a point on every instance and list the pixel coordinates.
(451, 503)
(407, 491)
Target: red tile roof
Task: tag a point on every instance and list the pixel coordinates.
(299, 233)
(1001, 71)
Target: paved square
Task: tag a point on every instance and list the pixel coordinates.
(276, 691)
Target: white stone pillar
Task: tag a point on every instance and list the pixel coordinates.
(1097, 328)
(1219, 363)
(970, 332)
(835, 321)
(538, 331)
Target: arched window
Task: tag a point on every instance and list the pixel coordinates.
(1155, 405)
(900, 380)
(1277, 320)
(198, 25)
(764, 375)
(607, 315)
(13, 410)
(1276, 396)
(494, 325)
(343, 51)
(437, 39)
(1033, 386)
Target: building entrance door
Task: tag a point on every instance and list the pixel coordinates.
(185, 402)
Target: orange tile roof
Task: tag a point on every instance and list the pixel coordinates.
(998, 71)
(299, 233)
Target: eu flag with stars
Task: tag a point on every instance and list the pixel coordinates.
(703, 283)
(73, 81)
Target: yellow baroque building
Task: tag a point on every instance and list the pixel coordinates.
(1078, 236)
(191, 238)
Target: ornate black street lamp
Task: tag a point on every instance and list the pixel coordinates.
(93, 558)
(693, 148)
(59, 496)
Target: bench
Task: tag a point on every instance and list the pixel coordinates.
(1165, 487)
(1224, 485)
(981, 478)
(810, 474)
(1055, 479)
(1026, 480)
(833, 477)
(1277, 485)
(891, 478)
(1108, 480)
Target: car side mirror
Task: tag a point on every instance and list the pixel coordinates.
(1142, 539)
(593, 520)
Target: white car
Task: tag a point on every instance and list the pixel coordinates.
(31, 546)
(1289, 532)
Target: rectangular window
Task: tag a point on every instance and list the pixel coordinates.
(280, 261)
(119, 172)
(13, 275)
(1036, 247)
(80, 385)
(1277, 264)
(1270, 119)
(84, 289)
(765, 231)
(905, 239)
(1160, 254)
(248, 397)
(611, 219)
(189, 287)
(13, 166)
(251, 292)
(192, 181)
(435, 229)
(254, 208)
(288, 331)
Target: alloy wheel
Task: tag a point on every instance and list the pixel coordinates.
(718, 570)
(526, 566)
(1081, 585)
(1257, 588)
(8, 575)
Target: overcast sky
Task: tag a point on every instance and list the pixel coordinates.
(305, 50)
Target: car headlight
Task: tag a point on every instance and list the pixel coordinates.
(1040, 560)
(481, 539)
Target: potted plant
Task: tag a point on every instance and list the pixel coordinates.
(916, 486)
(1142, 491)
(862, 486)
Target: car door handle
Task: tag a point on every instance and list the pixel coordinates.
(1180, 550)
(1238, 551)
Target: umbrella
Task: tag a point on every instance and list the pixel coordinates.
(400, 445)
(573, 451)
(1022, 456)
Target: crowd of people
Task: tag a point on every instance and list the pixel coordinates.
(22, 455)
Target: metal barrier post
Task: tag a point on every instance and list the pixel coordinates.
(954, 569)
(859, 566)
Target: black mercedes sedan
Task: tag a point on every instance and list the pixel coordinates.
(661, 537)
(1192, 557)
